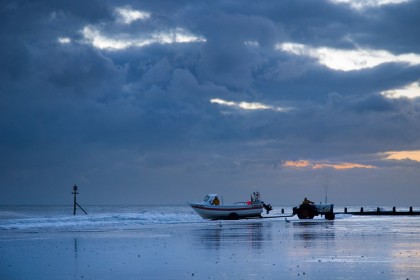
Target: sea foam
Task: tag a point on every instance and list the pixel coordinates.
(99, 218)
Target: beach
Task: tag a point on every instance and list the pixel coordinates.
(349, 247)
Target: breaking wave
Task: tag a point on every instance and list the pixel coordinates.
(99, 218)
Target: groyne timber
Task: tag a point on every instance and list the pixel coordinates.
(381, 212)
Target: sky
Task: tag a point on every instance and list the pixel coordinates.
(162, 102)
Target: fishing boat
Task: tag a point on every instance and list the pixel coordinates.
(212, 208)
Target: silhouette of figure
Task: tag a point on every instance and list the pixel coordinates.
(307, 201)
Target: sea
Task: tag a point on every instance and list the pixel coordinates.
(173, 242)
(98, 218)
(21, 219)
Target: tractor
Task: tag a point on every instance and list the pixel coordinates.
(309, 211)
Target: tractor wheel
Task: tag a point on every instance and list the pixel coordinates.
(330, 216)
(306, 212)
(233, 216)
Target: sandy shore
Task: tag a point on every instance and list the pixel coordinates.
(346, 248)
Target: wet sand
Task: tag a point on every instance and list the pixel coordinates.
(346, 248)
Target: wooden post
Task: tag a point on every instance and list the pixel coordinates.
(411, 209)
(378, 210)
(361, 210)
(282, 211)
(393, 209)
(345, 209)
(74, 203)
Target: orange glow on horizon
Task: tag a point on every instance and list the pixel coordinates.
(299, 163)
(403, 155)
(342, 166)
(338, 166)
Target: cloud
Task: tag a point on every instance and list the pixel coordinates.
(342, 166)
(317, 165)
(413, 155)
(122, 41)
(122, 33)
(349, 60)
(409, 91)
(171, 93)
(298, 163)
(249, 105)
(363, 4)
(127, 15)
(64, 40)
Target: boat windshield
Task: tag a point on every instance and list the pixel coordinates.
(206, 198)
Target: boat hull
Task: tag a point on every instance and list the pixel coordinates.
(227, 212)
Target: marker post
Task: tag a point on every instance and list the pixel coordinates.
(75, 202)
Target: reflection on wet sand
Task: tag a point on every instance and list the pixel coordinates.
(75, 248)
(406, 256)
(313, 230)
(230, 234)
(347, 248)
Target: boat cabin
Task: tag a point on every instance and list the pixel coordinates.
(213, 199)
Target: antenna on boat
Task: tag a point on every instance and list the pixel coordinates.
(75, 202)
(326, 193)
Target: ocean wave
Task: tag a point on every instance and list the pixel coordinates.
(113, 218)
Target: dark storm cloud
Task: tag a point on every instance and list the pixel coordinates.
(140, 115)
(391, 27)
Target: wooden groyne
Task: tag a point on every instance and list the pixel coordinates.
(381, 212)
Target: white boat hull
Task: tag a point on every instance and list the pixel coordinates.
(214, 212)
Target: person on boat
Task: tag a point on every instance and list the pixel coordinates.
(307, 201)
(216, 201)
